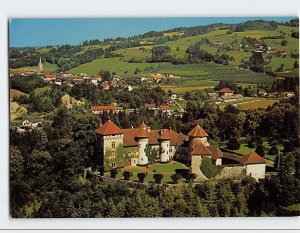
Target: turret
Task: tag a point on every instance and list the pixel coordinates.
(197, 135)
(164, 140)
(143, 140)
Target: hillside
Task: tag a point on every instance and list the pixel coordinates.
(133, 56)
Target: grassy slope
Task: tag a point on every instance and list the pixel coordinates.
(210, 71)
(111, 64)
(47, 68)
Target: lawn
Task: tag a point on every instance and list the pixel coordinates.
(258, 103)
(166, 169)
(111, 64)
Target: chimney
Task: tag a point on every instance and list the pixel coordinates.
(169, 129)
(148, 129)
(132, 126)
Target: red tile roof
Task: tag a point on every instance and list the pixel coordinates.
(105, 108)
(226, 90)
(141, 133)
(280, 51)
(201, 149)
(109, 128)
(215, 153)
(164, 107)
(164, 134)
(251, 158)
(49, 75)
(217, 41)
(197, 131)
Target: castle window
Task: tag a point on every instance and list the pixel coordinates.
(113, 154)
(113, 145)
(113, 164)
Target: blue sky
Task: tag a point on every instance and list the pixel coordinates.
(55, 31)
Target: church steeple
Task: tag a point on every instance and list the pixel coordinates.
(41, 66)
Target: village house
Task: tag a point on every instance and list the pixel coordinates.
(227, 95)
(217, 42)
(281, 52)
(225, 91)
(103, 109)
(231, 98)
(288, 94)
(172, 95)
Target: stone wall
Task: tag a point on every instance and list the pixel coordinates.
(232, 172)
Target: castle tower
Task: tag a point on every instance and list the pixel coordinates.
(197, 135)
(41, 66)
(109, 136)
(142, 138)
(164, 140)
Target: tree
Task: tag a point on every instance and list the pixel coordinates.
(273, 150)
(260, 150)
(233, 144)
(158, 177)
(113, 172)
(127, 175)
(207, 168)
(141, 177)
(296, 65)
(176, 178)
(16, 162)
(284, 43)
(105, 75)
(257, 62)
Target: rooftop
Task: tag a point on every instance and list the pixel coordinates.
(197, 131)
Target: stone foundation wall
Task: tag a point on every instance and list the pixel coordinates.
(231, 172)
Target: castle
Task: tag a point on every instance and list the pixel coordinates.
(134, 146)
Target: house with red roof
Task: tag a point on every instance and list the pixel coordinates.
(225, 91)
(217, 42)
(102, 109)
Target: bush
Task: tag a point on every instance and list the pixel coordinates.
(113, 173)
(127, 175)
(158, 178)
(260, 150)
(233, 144)
(207, 168)
(273, 150)
(183, 172)
(175, 178)
(254, 141)
(141, 177)
(191, 177)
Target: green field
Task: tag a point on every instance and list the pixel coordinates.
(110, 64)
(135, 53)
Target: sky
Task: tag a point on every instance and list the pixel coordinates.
(58, 31)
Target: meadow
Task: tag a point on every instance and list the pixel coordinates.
(111, 64)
